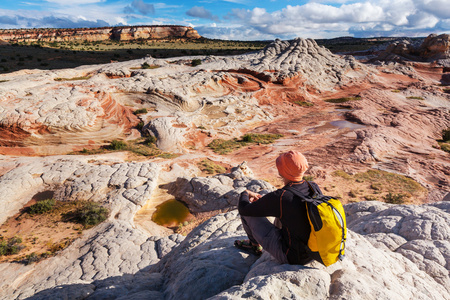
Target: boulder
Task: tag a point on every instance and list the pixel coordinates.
(219, 191)
(434, 47)
(206, 265)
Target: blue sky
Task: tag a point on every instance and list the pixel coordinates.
(240, 19)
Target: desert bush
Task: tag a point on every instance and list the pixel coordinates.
(140, 125)
(140, 111)
(445, 142)
(196, 62)
(11, 246)
(42, 207)
(150, 140)
(147, 66)
(73, 78)
(222, 146)
(341, 173)
(210, 167)
(392, 198)
(371, 198)
(446, 135)
(32, 258)
(343, 99)
(118, 145)
(308, 178)
(304, 103)
(268, 138)
(90, 214)
(415, 98)
(445, 147)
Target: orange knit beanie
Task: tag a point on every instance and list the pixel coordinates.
(292, 165)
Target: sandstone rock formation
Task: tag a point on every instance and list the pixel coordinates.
(217, 192)
(393, 251)
(123, 33)
(434, 47)
(92, 104)
(366, 272)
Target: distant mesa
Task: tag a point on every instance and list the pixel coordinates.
(123, 33)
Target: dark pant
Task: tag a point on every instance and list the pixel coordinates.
(261, 231)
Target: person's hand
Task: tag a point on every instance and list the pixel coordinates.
(253, 196)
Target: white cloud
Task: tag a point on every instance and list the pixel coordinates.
(139, 6)
(422, 20)
(201, 12)
(377, 17)
(439, 8)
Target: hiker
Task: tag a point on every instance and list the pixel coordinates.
(285, 240)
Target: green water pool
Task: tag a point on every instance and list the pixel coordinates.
(170, 213)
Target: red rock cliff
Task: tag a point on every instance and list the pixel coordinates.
(99, 34)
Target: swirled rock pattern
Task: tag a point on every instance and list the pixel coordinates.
(91, 105)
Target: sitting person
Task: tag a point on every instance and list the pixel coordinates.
(285, 240)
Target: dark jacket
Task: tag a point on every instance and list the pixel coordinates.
(291, 211)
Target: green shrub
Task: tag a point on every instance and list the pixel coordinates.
(73, 78)
(118, 145)
(446, 135)
(341, 173)
(222, 146)
(304, 103)
(90, 214)
(248, 138)
(42, 206)
(445, 147)
(196, 62)
(147, 66)
(308, 178)
(11, 246)
(210, 167)
(140, 125)
(415, 98)
(32, 258)
(343, 99)
(150, 140)
(140, 111)
(267, 138)
(395, 198)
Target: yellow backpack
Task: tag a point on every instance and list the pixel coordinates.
(328, 226)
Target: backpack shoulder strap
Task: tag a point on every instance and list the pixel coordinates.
(316, 197)
(301, 196)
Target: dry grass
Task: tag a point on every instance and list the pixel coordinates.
(59, 55)
(222, 146)
(343, 99)
(199, 218)
(211, 167)
(140, 147)
(45, 233)
(375, 185)
(73, 78)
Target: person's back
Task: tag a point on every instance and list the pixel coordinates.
(287, 243)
